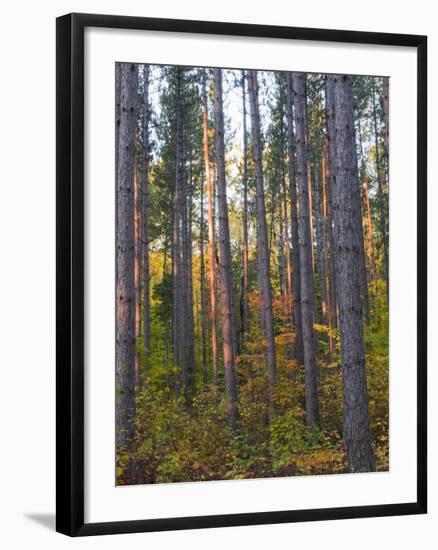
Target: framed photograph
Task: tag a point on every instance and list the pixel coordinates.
(241, 274)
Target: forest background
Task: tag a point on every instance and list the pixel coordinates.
(251, 279)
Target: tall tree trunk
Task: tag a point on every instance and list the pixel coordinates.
(319, 223)
(381, 199)
(386, 114)
(118, 109)
(327, 246)
(309, 174)
(187, 343)
(211, 234)
(191, 360)
(145, 215)
(331, 179)
(347, 241)
(305, 241)
(279, 236)
(137, 276)
(225, 259)
(362, 250)
(296, 270)
(366, 200)
(245, 285)
(369, 227)
(125, 296)
(263, 234)
(285, 236)
(179, 314)
(203, 299)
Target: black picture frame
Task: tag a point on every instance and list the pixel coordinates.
(70, 273)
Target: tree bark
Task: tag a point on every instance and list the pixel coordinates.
(366, 200)
(319, 225)
(331, 179)
(203, 297)
(137, 276)
(356, 416)
(285, 236)
(211, 234)
(382, 206)
(386, 113)
(296, 271)
(188, 254)
(179, 297)
(262, 234)
(145, 215)
(225, 259)
(245, 285)
(305, 241)
(125, 296)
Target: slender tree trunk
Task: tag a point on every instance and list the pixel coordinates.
(309, 175)
(263, 236)
(310, 195)
(145, 215)
(285, 236)
(191, 360)
(331, 179)
(386, 115)
(225, 259)
(187, 343)
(179, 317)
(381, 199)
(137, 276)
(245, 308)
(327, 246)
(319, 223)
(203, 298)
(211, 233)
(356, 416)
(369, 227)
(280, 252)
(305, 241)
(362, 250)
(296, 270)
(125, 296)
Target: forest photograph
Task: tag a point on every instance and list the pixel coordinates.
(252, 274)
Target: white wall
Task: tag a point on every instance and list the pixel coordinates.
(27, 305)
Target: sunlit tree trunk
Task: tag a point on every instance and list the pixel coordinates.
(211, 233)
(262, 234)
(245, 282)
(125, 295)
(296, 270)
(225, 259)
(203, 299)
(305, 242)
(356, 416)
(137, 276)
(369, 245)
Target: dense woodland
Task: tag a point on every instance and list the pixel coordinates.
(252, 274)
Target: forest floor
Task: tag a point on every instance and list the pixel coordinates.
(177, 441)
